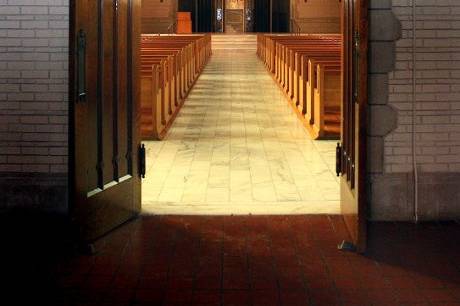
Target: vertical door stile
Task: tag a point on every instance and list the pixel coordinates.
(130, 102)
(116, 93)
(122, 77)
(353, 135)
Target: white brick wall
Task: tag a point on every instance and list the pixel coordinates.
(33, 85)
(438, 88)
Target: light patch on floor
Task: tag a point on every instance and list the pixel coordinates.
(238, 148)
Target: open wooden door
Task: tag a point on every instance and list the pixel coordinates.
(351, 154)
(104, 122)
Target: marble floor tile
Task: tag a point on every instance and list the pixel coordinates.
(238, 148)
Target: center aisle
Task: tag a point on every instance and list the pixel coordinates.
(238, 148)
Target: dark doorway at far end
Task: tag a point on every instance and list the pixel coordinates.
(202, 14)
(269, 15)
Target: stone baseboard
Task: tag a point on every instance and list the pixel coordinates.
(32, 191)
(391, 197)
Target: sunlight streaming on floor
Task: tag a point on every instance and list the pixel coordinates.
(238, 148)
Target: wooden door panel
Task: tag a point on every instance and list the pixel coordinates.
(353, 137)
(102, 213)
(105, 130)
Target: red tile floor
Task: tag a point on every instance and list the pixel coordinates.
(257, 260)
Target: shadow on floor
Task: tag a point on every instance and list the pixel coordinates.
(244, 260)
(32, 243)
(430, 249)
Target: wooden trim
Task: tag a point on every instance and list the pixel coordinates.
(354, 123)
(362, 144)
(116, 92)
(100, 95)
(134, 32)
(131, 98)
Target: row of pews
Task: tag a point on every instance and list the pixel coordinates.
(308, 69)
(170, 65)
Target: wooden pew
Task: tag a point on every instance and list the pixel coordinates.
(267, 48)
(291, 76)
(292, 69)
(308, 70)
(165, 87)
(201, 43)
(179, 74)
(286, 55)
(203, 50)
(283, 56)
(299, 76)
(153, 119)
(327, 99)
(306, 83)
(171, 80)
(169, 67)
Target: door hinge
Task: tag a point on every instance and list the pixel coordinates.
(347, 246)
(338, 159)
(81, 65)
(142, 161)
(356, 64)
(357, 37)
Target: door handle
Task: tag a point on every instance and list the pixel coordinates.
(81, 65)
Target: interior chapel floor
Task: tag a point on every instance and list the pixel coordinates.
(237, 148)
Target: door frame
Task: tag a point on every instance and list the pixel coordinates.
(355, 218)
(362, 145)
